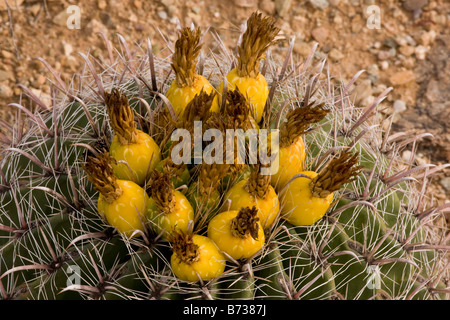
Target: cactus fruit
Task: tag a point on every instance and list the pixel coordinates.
(122, 202)
(260, 34)
(237, 233)
(188, 83)
(136, 148)
(378, 236)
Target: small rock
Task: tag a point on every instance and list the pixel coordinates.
(267, 6)
(402, 77)
(390, 43)
(427, 37)
(4, 75)
(102, 4)
(383, 55)
(399, 106)
(34, 9)
(362, 91)
(373, 69)
(61, 18)
(320, 34)
(319, 4)
(282, 7)
(421, 52)
(445, 182)
(7, 55)
(245, 3)
(167, 3)
(40, 80)
(94, 26)
(384, 65)
(68, 49)
(406, 155)
(335, 54)
(412, 5)
(162, 14)
(5, 91)
(302, 48)
(407, 50)
(334, 3)
(137, 4)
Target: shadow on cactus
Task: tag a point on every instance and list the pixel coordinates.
(346, 218)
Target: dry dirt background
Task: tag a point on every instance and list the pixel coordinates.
(410, 51)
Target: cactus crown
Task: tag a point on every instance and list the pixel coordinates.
(187, 49)
(210, 175)
(237, 110)
(245, 223)
(338, 172)
(260, 34)
(100, 172)
(184, 247)
(298, 122)
(258, 184)
(198, 109)
(121, 116)
(162, 191)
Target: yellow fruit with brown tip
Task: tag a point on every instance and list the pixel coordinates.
(196, 258)
(305, 200)
(238, 233)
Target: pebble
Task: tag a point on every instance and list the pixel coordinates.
(445, 182)
(406, 155)
(319, 4)
(303, 48)
(362, 91)
(4, 75)
(335, 54)
(399, 106)
(162, 14)
(402, 77)
(421, 52)
(320, 34)
(384, 65)
(102, 4)
(282, 7)
(7, 54)
(267, 6)
(412, 5)
(5, 91)
(427, 37)
(407, 50)
(383, 55)
(61, 18)
(94, 26)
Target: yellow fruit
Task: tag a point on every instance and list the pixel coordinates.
(196, 258)
(187, 83)
(168, 209)
(259, 35)
(138, 151)
(306, 200)
(180, 97)
(140, 158)
(300, 207)
(291, 153)
(290, 159)
(238, 196)
(238, 233)
(122, 203)
(255, 89)
(175, 219)
(127, 213)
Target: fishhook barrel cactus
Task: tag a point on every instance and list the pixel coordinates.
(376, 238)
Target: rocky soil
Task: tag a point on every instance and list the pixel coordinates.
(407, 48)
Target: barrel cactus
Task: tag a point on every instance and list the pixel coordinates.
(378, 238)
